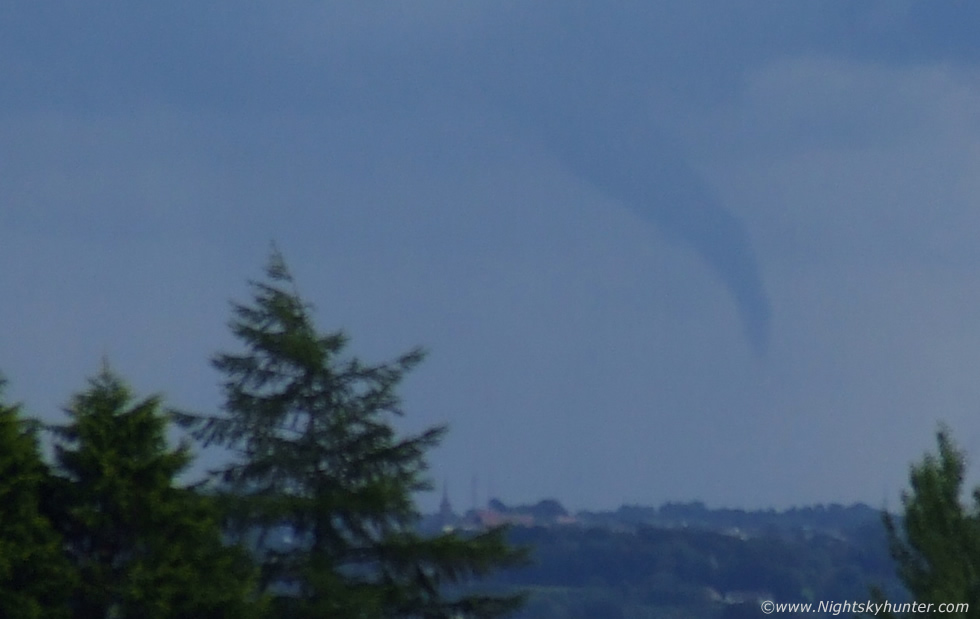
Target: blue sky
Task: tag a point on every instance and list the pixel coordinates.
(666, 251)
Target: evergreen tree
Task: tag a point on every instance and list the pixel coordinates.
(144, 547)
(317, 456)
(936, 543)
(34, 573)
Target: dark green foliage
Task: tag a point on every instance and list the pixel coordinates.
(936, 544)
(34, 574)
(318, 456)
(142, 546)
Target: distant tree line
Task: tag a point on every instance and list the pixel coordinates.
(105, 531)
(834, 518)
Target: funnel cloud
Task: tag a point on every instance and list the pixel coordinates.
(594, 108)
(635, 164)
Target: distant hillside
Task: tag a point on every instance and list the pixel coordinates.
(686, 560)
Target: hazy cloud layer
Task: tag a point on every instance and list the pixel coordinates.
(667, 251)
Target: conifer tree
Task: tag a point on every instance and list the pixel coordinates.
(34, 573)
(936, 543)
(143, 547)
(317, 456)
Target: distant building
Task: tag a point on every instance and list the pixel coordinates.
(446, 518)
(489, 518)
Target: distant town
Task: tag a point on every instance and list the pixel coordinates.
(834, 520)
(682, 559)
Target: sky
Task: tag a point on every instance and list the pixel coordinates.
(662, 251)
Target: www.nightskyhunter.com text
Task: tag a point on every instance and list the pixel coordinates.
(872, 608)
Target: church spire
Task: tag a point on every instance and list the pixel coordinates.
(446, 515)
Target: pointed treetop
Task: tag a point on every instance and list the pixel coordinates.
(276, 268)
